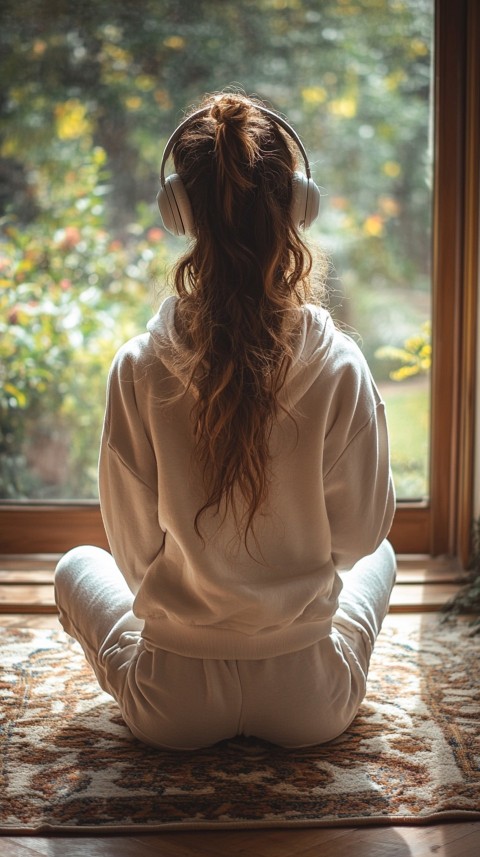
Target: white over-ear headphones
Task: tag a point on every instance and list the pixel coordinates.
(174, 204)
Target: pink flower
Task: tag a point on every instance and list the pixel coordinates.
(65, 285)
(155, 234)
(70, 238)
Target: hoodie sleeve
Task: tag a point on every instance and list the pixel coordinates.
(128, 479)
(358, 485)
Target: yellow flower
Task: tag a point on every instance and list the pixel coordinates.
(373, 225)
(392, 169)
(145, 82)
(418, 48)
(345, 107)
(177, 43)
(393, 80)
(71, 120)
(133, 102)
(313, 95)
(17, 394)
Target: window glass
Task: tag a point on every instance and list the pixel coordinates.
(92, 90)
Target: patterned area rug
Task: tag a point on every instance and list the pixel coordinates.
(412, 755)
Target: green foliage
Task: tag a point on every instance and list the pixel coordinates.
(409, 413)
(90, 92)
(408, 420)
(68, 297)
(121, 74)
(415, 357)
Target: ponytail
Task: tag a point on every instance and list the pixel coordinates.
(239, 292)
(236, 153)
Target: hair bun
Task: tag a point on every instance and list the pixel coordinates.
(230, 110)
(236, 152)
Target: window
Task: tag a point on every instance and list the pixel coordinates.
(333, 91)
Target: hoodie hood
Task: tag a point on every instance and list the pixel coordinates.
(315, 336)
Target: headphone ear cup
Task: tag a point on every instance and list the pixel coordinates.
(176, 211)
(305, 200)
(313, 203)
(174, 206)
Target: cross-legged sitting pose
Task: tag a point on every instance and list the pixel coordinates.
(244, 473)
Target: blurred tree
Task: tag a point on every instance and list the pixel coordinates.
(353, 75)
(68, 297)
(90, 91)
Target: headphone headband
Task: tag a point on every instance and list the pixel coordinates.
(204, 110)
(174, 204)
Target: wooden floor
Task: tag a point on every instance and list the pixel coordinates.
(26, 599)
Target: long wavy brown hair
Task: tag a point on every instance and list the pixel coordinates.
(239, 286)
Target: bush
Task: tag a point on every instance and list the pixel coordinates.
(69, 296)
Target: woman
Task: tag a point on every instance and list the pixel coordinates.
(244, 467)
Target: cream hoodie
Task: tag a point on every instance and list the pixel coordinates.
(330, 502)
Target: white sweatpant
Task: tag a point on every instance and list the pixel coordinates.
(167, 700)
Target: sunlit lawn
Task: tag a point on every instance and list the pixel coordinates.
(408, 419)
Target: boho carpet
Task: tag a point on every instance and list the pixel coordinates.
(412, 755)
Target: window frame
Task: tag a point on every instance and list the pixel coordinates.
(441, 525)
